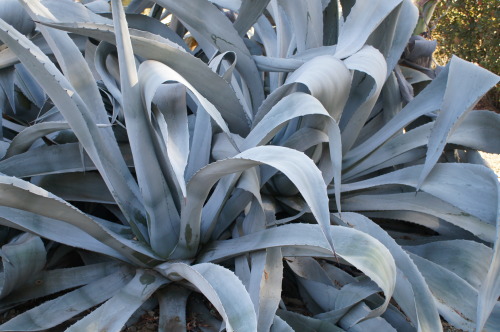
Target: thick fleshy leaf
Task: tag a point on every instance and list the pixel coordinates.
(307, 324)
(354, 35)
(469, 187)
(23, 141)
(13, 13)
(222, 288)
(70, 60)
(328, 79)
(163, 217)
(54, 230)
(112, 315)
(424, 203)
(104, 153)
(248, 14)
(428, 100)
(358, 248)
(79, 187)
(265, 285)
(62, 308)
(54, 281)
(460, 96)
(204, 18)
(21, 258)
(295, 165)
(52, 159)
(420, 299)
(444, 285)
(45, 204)
(370, 61)
(172, 119)
(478, 131)
(192, 69)
(173, 300)
(490, 289)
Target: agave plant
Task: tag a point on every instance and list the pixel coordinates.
(271, 155)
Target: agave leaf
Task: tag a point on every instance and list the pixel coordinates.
(173, 301)
(444, 284)
(47, 205)
(421, 299)
(306, 20)
(424, 203)
(7, 76)
(70, 60)
(103, 50)
(62, 308)
(460, 96)
(271, 64)
(407, 17)
(221, 33)
(80, 187)
(69, 11)
(23, 141)
(50, 282)
(21, 258)
(52, 159)
(353, 35)
(490, 289)
(153, 73)
(307, 324)
(112, 315)
(467, 259)
(296, 166)
(478, 131)
(192, 69)
(370, 61)
(104, 153)
(148, 24)
(222, 288)
(373, 324)
(201, 141)
(248, 14)
(472, 188)
(328, 79)
(13, 13)
(173, 122)
(359, 249)
(275, 97)
(292, 106)
(163, 218)
(265, 285)
(279, 325)
(425, 102)
(55, 230)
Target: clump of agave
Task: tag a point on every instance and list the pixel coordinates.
(286, 166)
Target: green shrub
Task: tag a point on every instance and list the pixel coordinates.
(469, 29)
(284, 168)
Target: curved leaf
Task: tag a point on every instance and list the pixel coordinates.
(354, 35)
(104, 152)
(460, 96)
(62, 308)
(192, 69)
(295, 165)
(222, 288)
(420, 299)
(358, 248)
(45, 204)
(112, 315)
(21, 258)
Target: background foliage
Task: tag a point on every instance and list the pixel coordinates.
(470, 30)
